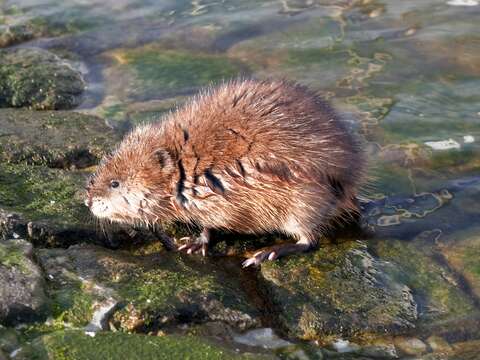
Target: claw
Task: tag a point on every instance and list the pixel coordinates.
(272, 256)
(193, 246)
(248, 262)
(274, 252)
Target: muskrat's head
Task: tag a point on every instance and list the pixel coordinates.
(133, 185)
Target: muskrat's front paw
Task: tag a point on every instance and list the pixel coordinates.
(193, 246)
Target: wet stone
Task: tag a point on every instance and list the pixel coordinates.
(463, 254)
(22, 296)
(436, 288)
(43, 205)
(410, 346)
(38, 79)
(153, 72)
(14, 34)
(56, 139)
(152, 291)
(318, 294)
(75, 345)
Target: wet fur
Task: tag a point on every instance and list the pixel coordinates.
(248, 156)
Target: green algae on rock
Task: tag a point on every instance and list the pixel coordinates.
(435, 288)
(12, 35)
(156, 73)
(56, 139)
(36, 78)
(43, 205)
(40, 193)
(464, 256)
(155, 289)
(318, 295)
(22, 296)
(75, 345)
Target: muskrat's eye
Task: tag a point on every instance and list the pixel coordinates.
(114, 184)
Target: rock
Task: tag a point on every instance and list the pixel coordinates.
(467, 350)
(318, 294)
(22, 296)
(14, 34)
(46, 206)
(438, 344)
(75, 345)
(42, 204)
(8, 340)
(441, 300)
(38, 79)
(56, 139)
(410, 346)
(156, 290)
(154, 72)
(462, 253)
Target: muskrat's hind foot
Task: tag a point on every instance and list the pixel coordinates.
(199, 243)
(274, 252)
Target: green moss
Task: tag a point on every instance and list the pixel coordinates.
(174, 286)
(11, 256)
(75, 345)
(427, 279)
(41, 193)
(58, 139)
(317, 295)
(159, 71)
(72, 305)
(37, 78)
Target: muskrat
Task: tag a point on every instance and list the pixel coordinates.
(248, 156)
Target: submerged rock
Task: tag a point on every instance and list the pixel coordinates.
(153, 72)
(14, 34)
(339, 290)
(75, 345)
(56, 139)
(441, 300)
(38, 79)
(155, 290)
(463, 255)
(22, 296)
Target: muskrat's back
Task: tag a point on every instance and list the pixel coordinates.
(251, 156)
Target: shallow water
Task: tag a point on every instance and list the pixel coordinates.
(405, 73)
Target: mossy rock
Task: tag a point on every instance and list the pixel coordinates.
(155, 290)
(439, 297)
(56, 139)
(40, 193)
(36, 78)
(75, 345)
(43, 205)
(14, 34)
(463, 255)
(22, 295)
(154, 72)
(340, 290)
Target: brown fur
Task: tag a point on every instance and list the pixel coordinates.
(248, 156)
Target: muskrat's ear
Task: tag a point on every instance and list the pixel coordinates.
(164, 159)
